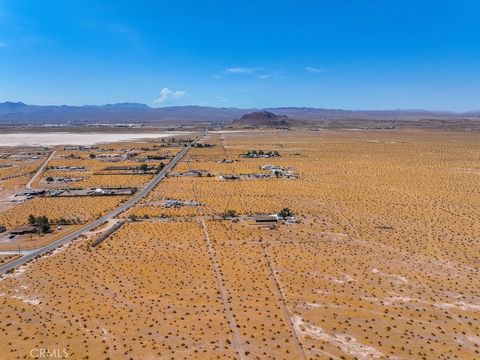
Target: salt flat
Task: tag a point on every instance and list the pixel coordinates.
(70, 138)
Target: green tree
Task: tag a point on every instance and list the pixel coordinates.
(228, 214)
(32, 220)
(285, 212)
(43, 224)
(143, 167)
(49, 179)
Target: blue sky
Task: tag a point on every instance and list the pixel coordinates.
(351, 54)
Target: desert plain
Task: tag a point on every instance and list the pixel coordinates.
(379, 260)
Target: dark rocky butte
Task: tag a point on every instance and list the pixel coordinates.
(262, 118)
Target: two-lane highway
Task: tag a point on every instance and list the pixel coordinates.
(90, 226)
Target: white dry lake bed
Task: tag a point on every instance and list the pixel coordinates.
(70, 138)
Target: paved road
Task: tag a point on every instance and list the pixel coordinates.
(29, 185)
(135, 199)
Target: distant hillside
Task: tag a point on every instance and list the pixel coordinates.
(262, 118)
(20, 113)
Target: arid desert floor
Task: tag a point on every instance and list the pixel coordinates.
(380, 260)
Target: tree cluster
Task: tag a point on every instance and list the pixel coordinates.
(41, 222)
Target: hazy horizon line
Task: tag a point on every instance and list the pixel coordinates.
(245, 108)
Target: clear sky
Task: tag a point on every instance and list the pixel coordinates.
(351, 54)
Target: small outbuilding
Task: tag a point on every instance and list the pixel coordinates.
(265, 219)
(22, 230)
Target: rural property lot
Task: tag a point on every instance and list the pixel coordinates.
(381, 261)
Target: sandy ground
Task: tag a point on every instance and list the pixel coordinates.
(5, 197)
(5, 258)
(383, 263)
(33, 241)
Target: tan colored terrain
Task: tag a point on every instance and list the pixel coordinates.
(86, 209)
(34, 240)
(383, 263)
(28, 168)
(6, 258)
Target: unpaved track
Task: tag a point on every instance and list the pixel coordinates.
(283, 304)
(237, 340)
(39, 171)
(89, 227)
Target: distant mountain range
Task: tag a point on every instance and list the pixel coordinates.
(20, 113)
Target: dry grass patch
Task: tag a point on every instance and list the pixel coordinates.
(85, 208)
(7, 258)
(149, 292)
